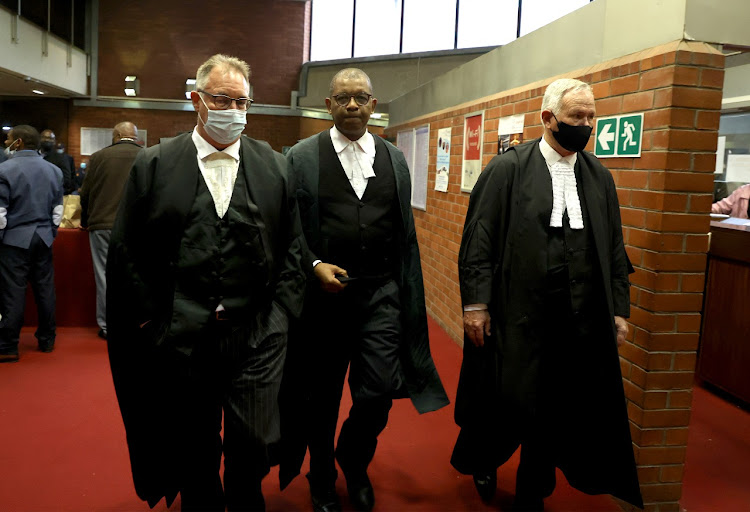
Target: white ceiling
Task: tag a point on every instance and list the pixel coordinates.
(12, 84)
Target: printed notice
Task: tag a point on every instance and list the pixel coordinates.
(472, 151)
(443, 159)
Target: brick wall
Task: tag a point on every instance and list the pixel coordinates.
(665, 196)
(163, 44)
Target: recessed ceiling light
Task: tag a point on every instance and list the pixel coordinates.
(37, 91)
(7, 128)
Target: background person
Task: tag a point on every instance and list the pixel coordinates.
(31, 197)
(48, 149)
(100, 193)
(736, 204)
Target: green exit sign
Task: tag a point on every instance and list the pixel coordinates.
(619, 136)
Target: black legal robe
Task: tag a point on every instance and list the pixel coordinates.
(503, 262)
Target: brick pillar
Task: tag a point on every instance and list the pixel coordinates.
(665, 198)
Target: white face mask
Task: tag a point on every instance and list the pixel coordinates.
(11, 152)
(224, 126)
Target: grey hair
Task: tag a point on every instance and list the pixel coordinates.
(350, 73)
(553, 96)
(224, 61)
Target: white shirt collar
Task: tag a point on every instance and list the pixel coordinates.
(340, 141)
(205, 149)
(552, 157)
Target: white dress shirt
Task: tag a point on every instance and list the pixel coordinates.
(356, 158)
(219, 170)
(564, 189)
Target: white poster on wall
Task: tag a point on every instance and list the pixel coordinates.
(720, 148)
(421, 160)
(738, 168)
(509, 132)
(443, 159)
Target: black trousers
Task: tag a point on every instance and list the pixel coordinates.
(568, 329)
(358, 328)
(228, 373)
(17, 267)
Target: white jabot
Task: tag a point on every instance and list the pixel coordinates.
(564, 188)
(356, 157)
(219, 170)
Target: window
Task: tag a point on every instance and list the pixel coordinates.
(386, 27)
(331, 34)
(482, 23)
(429, 25)
(537, 13)
(377, 29)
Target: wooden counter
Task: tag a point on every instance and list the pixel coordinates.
(724, 356)
(74, 282)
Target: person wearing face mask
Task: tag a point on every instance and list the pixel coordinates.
(100, 193)
(48, 149)
(545, 290)
(31, 207)
(203, 280)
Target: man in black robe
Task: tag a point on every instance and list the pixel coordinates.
(545, 290)
(203, 279)
(364, 309)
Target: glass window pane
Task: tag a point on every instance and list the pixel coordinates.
(483, 23)
(429, 25)
(331, 36)
(537, 13)
(377, 28)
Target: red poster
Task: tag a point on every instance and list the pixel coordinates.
(473, 138)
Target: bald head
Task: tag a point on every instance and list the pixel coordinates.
(125, 130)
(349, 74)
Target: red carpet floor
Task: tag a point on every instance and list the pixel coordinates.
(63, 445)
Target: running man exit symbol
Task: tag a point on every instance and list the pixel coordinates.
(619, 136)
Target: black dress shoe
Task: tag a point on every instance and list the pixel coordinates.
(8, 358)
(47, 348)
(361, 493)
(324, 497)
(102, 334)
(486, 484)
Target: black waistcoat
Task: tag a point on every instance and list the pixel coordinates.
(358, 235)
(220, 261)
(572, 267)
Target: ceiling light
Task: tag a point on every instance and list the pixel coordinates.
(37, 91)
(189, 87)
(7, 128)
(132, 85)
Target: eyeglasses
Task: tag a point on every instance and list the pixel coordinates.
(223, 102)
(361, 98)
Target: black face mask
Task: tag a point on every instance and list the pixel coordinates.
(47, 146)
(572, 138)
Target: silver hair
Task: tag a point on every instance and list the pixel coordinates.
(553, 96)
(224, 61)
(349, 73)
